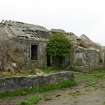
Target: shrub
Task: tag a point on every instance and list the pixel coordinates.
(58, 47)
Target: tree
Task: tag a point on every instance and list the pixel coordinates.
(58, 48)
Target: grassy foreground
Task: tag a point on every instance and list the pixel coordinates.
(91, 78)
(32, 90)
(29, 101)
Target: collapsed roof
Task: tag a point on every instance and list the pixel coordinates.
(22, 30)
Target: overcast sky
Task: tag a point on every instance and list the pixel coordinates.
(78, 16)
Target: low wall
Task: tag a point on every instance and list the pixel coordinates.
(97, 67)
(87, 68)
(13, 83)
(81, 68)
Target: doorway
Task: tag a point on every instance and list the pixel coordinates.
(34, 52)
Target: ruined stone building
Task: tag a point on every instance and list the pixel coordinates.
(32, 39)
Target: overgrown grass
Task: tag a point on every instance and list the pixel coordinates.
(18, 73)
(29, 101)
(52, 69)
(26, 91)
(45, 70)
(91, 78)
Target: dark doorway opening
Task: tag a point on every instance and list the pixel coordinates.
(55, 61)
(34, 52)
(58, 61)
(48, 60)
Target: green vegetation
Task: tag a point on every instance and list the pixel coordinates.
(58, 48)
(17, 73)
(52, 69)
(30, 72)
(23, 72)
(91, 78)
(29, 101)
(58, 45)
(26, 91)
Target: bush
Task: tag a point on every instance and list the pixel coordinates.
(58, 48)
(58, 45)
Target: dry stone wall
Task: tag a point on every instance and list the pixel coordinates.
(13, 83)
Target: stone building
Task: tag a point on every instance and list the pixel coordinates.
(33, 41)
(31, 38)
(88, 54)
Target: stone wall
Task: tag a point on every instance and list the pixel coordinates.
(87, 68)
(41, 52)
(13, 83)
(83, 56)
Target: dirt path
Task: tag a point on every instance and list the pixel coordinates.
(83, 94)
(77, 96)
(80, 95)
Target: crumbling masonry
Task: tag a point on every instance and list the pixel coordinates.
(32, 39)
